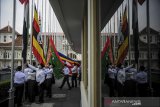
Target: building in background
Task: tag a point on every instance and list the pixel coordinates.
(6, 47)
(143, 55)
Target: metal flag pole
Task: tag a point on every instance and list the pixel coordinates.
(114, 39)
(31, 32)
(11, 90)
(129, 45)
(149, 49)
(45, 23)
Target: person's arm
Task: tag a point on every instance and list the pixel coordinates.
(32, 67)
(42, 79)
(31, 73)
(49, 71)
(127, 68)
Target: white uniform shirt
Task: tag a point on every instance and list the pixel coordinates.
(30, 74)
(74, 69)
(141, 77)
(19, 77)
(48, 73)
(40, 74)
(79, 70)
(66, 71)
(112, 72)
(121, 74)
(131, 74)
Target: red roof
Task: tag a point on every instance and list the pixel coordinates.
(18, 42)
(8, 29)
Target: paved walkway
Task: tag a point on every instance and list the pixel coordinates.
(60, 98)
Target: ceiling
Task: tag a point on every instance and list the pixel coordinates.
(70, 16)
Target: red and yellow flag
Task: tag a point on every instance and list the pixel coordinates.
(37, 47)
(123, 48)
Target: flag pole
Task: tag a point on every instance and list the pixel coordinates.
(45, 30)
(11, 90)
(0, 14)
(114, 40)
(129, 45)
(31, 32)
(149, 50)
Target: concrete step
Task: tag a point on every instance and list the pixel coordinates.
(40, 105)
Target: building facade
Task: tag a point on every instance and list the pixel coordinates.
(6, 47)
(143, 47)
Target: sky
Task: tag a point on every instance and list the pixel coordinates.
(6, 14)
(154, 16)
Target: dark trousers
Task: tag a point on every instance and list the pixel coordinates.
(26, 90)
(41, 92)
(142, 90)
(31, 90)
(111, 87)
(130, 88)
(74, 80)
(66, 78)
(119, 89)
(79, 78)
(48, 83)
(19, 88)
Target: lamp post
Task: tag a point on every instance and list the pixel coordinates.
(66, 44)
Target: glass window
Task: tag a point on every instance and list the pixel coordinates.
(4, 38)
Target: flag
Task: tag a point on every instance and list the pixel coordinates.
(120, 35)
(37, 47)
(67, 60)
(107, 51)
(123, 48)
(106, 56)
(135, 29)
(25, 30)
(54, 59)
(23, 1)
(140, 1)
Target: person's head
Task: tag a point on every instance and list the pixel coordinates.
(125, 64)
(34, 63)
(47, 66)
(142, 68)
(19, 68)
(119, 65)
(65, 65)
(110, 66)
(40, 66)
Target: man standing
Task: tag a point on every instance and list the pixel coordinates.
(141, 78)
(31, 83)
(74, 76)
(111, 72)
(79, 74)
(19, 80)
(121, 75)
(66, 77)
(130, 83)
(48, 81)
(40, 78)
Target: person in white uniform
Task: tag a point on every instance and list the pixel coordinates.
(66, 77)
(40, 78)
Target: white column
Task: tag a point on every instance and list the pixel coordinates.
(94, 59)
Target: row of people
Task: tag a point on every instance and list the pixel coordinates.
(40, 78)
(125, 80)
(35, 79)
